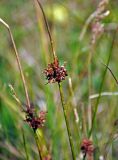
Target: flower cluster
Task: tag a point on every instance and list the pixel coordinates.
(97, 26)
(34, 121)
(55, 73)
(87, 147)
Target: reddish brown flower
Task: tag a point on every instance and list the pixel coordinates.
(33, 120)
(55, 73)
(87, 148)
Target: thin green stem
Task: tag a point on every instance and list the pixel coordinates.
(60, 89)
(48, 29)
(111, 73)
(84, 157)
(25, 146)
(18, 62)
(65, 117)
(38, 145)
(89, 87)
(100, 90)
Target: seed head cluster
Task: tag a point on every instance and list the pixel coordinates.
(33, 120)
(55, 73)
(87, 147)
(97, 26)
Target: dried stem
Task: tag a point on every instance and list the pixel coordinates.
(15, 95)
(73, 99)
(93, 96)
(18, 62)
(25, 88)
(65, 117)
(88, 21)
(48, 29)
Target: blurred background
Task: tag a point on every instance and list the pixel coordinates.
(66, 19)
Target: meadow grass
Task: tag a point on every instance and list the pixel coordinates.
(63, 30)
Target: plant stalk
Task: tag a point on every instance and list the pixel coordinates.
(48, 30)
(38, 145)
(100, 90)
(18, 62)
(67, 125)
(25, 146)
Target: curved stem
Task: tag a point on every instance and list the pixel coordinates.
(48, 29)
(18, 62)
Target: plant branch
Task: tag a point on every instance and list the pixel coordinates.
(18, 62)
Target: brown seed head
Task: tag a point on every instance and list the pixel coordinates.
(54, 72)
(87, 147)
(34, 121)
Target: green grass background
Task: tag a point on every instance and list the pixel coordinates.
(66, 20)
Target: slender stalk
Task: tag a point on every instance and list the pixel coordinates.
(43, 32)
(38, 145)
(65, 117)
(42, 149)
(24, 85)
(48, 29)
(74, 108)
(60, 89)
(89, 87)
(88, 21)
(84, 157)
(112, 73)
(18, 62)
(74, 101)
(104, 73)
(25, 147)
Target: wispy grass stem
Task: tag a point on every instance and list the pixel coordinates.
(66, 121)
(100, 90)
(18, 61)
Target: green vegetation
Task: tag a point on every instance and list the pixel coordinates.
(84, 105)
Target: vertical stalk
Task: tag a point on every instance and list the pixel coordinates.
(89, 87)
(100, 90)
(84, 157)
(45, 151)
(65, 117)
(18, 62)
(60, 89)
(42, 149)
(48, 30)
(43, 32)
(25, 147)
(38, 145)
